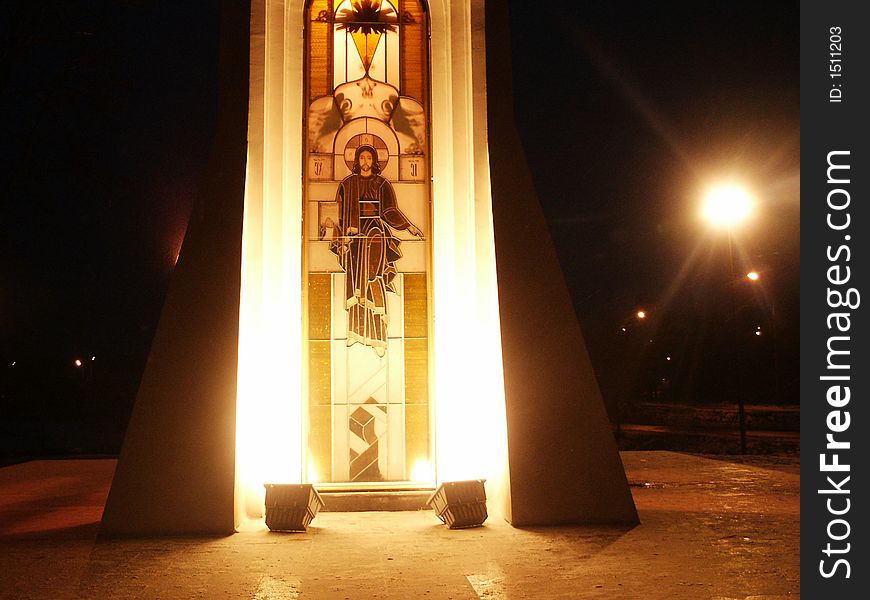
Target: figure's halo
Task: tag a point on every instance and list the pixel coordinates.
(366, 139)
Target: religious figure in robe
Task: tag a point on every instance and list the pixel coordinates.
(367, 247)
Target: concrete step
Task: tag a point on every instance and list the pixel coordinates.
(389, 500)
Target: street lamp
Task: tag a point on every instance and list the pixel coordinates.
(726, 206)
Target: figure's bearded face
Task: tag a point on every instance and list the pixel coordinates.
(365, 163)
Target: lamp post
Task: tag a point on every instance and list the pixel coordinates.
(725, 207)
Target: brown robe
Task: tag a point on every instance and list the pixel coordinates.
(368, 204)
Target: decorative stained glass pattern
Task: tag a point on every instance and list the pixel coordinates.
(367, 424)
(365, 38)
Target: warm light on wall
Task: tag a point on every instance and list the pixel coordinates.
(422, 471)
(312, 475)
(269, 416)
(470, 426)
(470, 422)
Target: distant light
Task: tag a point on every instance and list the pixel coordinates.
(93, 358)
(14, 363)
(641, 314)
(753, 275)
(668, 358)
(726, 205)
(623, 328)
(77, 362)
(758, 330)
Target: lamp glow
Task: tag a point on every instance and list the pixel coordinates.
(727, 205)
(269, 417)
(422, 471)
(752, 275)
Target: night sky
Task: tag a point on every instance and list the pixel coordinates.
(626, 111)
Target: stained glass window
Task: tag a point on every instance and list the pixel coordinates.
(367, 235)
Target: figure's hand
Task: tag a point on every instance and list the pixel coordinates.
(328, 222)
(414, 230)
(352, 231)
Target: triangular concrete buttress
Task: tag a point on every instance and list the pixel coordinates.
(564, 463)
(176, 472)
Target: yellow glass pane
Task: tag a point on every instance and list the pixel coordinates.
(319, 312)
(416, 436)
(319, 9)
(320, 51)
(416, 371)
(319, 373)
(414, 54)
(416, 306)
(320, 442)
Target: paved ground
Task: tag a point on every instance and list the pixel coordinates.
(712, 528)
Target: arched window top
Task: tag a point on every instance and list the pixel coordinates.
(354, 40)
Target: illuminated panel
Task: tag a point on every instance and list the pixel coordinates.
(417, 425)
(319, 381)
(414, 53)
(365, 41)
(416, 306)
(318, 315)
(319, 37)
